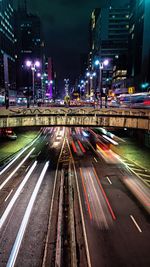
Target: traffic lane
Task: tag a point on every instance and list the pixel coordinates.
(11, 225)
(32, 247)
(14, 219)
(19, 155)
(19, 159)
(131, 223)
(120, 235)
(10, 181)
(8, 191)
(95, 201)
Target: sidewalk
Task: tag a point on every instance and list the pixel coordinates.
(134, 152)
(8, 148)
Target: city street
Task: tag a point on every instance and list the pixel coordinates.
(117, 226)
(25, 199)
(114, 210)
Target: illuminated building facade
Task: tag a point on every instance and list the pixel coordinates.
(110, 28)
(29, 45)
(7, 45)
(139, 44)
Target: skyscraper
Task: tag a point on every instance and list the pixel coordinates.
(110, 27)
(139, 44)
(7, 41)
(29, 45)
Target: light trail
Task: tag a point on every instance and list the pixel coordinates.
(135, 223)
(99, 204)
(16, 195)
(108, 179)
(104, 194)
(95, 160)
(16, 169)
(20, 235)
(8, 195)
(86, 195)
(81, 146)
(74, 147)
(20, 153)
(110, 140)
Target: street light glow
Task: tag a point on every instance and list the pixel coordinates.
(97, 62)
(38, 74)
(106, 62)
(37, 64)
(28, 63)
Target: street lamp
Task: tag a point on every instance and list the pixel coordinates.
(33, 66)
(90, 75)
(101, 65)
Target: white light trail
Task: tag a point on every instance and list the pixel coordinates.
(19, 238)
(95, 160)
(16, 169)
(134, 221)
(110, 140)
(108, 179)
(8, 195)
(18, 155)
(16, 195)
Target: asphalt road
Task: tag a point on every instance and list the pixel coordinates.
(117, 227)
(25, 198)
(112, 198)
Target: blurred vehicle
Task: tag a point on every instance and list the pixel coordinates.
(138, 100)
(7, 133)
(113, 103)
(10, 134)
(2, 100)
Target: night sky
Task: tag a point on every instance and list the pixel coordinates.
(65, 27)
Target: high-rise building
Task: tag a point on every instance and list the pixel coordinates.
(7, 44)
(139, 45)
(29, 46)
(110, 27)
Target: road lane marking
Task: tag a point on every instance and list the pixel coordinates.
(16, 195)
(16, 169)
(104, 194)
(95, 160)
(136, 224)
(8, 195)
(22, 229)
(108, 179)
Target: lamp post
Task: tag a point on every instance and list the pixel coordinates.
(90, 75)
(101, 65)
(33, 66)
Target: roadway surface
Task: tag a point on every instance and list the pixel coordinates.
(115, 203)
(117, 227)
(25, 198)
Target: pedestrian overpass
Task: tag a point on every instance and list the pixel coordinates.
(61, 116)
